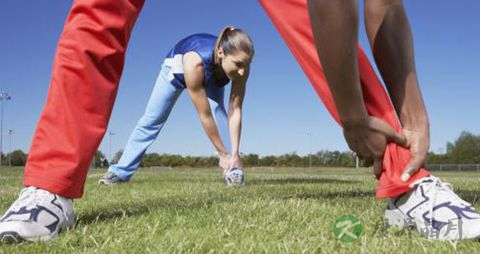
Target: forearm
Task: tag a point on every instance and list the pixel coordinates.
(211, 130)
(235, 128)
(411, 109)
(335, 29)
(391, 41)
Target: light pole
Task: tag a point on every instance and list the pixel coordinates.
(10, 132)
(110, 133)
(4, 96)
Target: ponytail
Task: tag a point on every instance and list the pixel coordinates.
(233, 39)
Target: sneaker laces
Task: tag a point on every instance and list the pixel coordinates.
(31, 197)
(436, 186)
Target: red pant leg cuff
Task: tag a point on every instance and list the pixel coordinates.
(63, 189)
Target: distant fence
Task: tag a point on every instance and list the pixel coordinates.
(160, 168)
(430, 167)
(453, 167)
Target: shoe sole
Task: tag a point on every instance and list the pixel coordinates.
(102, 182)
(107, 182)
(395, 218)
(11, 237)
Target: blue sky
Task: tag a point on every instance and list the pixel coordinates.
(280, 106)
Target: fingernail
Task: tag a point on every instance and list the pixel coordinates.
(405, 177)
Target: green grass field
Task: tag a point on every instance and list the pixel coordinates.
(192, 211)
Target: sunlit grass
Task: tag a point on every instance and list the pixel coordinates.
(191, 211)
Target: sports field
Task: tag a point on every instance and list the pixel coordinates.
(191, 211)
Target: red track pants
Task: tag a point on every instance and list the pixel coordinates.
(291, 19)
(86, 72)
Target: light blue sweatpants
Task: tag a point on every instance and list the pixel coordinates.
(159, 106)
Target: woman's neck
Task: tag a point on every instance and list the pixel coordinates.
(218, 72)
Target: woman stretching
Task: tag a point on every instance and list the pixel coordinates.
(203, 64)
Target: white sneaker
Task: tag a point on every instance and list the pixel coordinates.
(234, 177)
(110, 179)
(37, 215)
(453, 217)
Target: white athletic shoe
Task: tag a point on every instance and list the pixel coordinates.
(235, 177)
(110, 179)
(435, 210)
(37, 215)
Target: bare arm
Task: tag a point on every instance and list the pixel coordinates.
(237, 94)
(235, 111)
(339, 56)
(392, 46)
(335, 29)
(193, 72)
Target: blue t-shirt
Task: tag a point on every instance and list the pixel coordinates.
(203, 44)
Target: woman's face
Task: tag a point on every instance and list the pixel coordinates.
(235, 65)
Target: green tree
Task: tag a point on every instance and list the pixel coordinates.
(151, 160)
(267, 161)
(250, 160)
(466, 149)
(18, 158)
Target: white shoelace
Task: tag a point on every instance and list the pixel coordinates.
(435, 187)
(30, 197)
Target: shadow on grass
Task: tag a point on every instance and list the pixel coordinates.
(139, 181)
(469, 196)
(332, 195)
(179, 205)
(249, 181)
(295, 180)
(129, 209)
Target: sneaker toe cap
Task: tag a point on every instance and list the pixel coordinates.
(25, 230)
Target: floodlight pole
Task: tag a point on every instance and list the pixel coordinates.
(10, 132)
(4, 96)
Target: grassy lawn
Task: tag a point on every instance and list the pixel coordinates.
(192, 211)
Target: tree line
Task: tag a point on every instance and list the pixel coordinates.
(464, 150)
